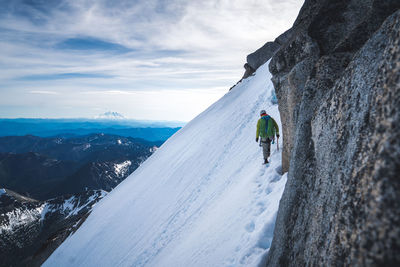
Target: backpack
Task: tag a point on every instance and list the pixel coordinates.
(266, 118)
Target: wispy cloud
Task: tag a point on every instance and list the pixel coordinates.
(88, 44)
(108, 92)
(43, 92)
(132, 46)
(59, 76)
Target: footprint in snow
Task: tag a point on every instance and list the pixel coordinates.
(279, 170)
(262, 171)
(276, 178)
(260, 208)
(268, 190)
(230, 262)
(250, 227)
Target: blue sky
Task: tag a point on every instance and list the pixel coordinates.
(153, 60)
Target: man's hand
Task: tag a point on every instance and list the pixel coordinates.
(257, 139)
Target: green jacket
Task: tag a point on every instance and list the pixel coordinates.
(272, 130)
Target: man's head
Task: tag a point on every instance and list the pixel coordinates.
(263, 112)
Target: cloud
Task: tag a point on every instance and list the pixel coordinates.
(86, 43)
(60, 76)
(108, 92)
(43, 92)
(132, 46)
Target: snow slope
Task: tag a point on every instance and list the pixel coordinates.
(202, 199)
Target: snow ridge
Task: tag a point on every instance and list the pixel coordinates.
(202, 199)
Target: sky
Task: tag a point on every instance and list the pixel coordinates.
(150, 60)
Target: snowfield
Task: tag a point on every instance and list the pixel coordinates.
(122, 168)
(203, 199)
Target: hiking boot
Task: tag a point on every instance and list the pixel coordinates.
(266, 161)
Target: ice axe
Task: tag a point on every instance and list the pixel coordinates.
(277, 143)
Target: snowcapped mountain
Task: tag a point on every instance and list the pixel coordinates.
(203, 199)
(110, 115)
(30, 230)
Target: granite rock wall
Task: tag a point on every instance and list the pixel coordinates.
(337, 80)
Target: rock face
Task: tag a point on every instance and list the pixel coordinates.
(337, 80)
(325, 30)
(248, 71)
(264, 53)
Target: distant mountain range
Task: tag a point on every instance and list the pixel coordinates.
(48, 167)
(30, 230)
(149, 130)
(48, 186)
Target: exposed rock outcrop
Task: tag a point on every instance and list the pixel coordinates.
(264, 53)
(337, 80)
(248, 71)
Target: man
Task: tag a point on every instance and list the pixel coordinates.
(267, 128)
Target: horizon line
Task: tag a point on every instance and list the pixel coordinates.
(89, 118)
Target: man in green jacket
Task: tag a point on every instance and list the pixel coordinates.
(267, 128)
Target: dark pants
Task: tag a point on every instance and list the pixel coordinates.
(266, 145)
